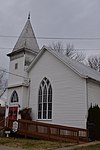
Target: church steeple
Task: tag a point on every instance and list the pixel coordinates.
(27, 38)
(24, 51)
(29, 16)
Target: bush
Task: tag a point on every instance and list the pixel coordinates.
(26, 113)
(94, 122)
(2, 113)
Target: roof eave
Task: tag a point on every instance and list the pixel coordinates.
(36, 59)
(70, 66)
(94, 79)
(76, 71)
(15, 52)
(20, 50)
(42, 51)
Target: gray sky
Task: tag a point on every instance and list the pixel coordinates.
(50, 18)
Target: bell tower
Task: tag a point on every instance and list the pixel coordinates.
(24, 51)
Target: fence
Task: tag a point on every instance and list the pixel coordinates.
(2, 123)
(47, 131)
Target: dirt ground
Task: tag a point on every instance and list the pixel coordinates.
(9, 148)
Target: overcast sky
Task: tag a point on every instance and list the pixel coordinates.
(50, 18)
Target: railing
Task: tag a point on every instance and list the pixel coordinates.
(2, 123)
(50, 131)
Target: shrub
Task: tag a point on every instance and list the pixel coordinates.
(94, 122)
(26, 113)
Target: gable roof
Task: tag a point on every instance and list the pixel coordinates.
(27, 39)
(79, 68)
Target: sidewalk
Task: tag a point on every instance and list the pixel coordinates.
(79, 145)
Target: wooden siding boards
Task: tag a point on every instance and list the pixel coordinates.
(69, 91)
(20, 71)
(72, 91)
(75, 89)
(93, 93)
(22, 97)
(79, 68)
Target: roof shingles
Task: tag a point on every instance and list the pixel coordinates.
(81, 69)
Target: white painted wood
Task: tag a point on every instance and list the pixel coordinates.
(93, 93)
(23, 53)
(73, 92)
(14, 79)
(19, 92)
(69, 91)
(16, 82)
(71, 95)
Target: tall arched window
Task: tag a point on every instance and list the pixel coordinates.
(14, 97)
(45, 100)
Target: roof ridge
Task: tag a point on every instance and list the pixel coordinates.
(73, 60)
(81, 69)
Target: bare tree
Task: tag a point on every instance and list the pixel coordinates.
(69, 51)
(3, 82)
(57, 47)
(94, 62)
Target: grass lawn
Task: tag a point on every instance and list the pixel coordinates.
(32, 144)
(92, 147)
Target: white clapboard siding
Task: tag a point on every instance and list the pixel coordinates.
(14, 79)
(93, 93)
(69, 91)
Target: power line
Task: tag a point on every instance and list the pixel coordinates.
(76, 49)
(70, 38)
(56, 38)
(5, 48)
(87, 49)
(13, 74)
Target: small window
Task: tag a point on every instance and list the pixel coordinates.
(16, 65)
(14, 97)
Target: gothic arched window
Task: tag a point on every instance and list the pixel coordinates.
(45, 100)
(14, 97)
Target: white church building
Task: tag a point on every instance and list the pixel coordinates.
(58, 89)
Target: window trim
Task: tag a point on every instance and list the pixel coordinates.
(45, 83)
(14, 93)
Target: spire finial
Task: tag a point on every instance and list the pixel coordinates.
(29, 16)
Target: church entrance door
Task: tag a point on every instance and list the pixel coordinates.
(13, 113)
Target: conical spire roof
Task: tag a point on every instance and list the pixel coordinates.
(27, 38)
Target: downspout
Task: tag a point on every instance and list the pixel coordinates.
(26, 75)
(29, 93)
(87, 99)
